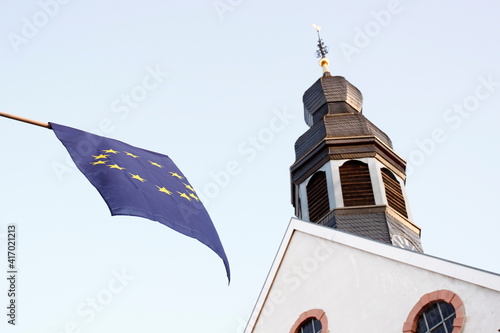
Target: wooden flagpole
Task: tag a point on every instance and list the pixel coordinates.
(26, 120)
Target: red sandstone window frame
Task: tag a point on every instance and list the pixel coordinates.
(410, 326)
(314, 313)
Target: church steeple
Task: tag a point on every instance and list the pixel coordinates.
(346, 174)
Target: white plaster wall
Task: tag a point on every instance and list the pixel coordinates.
(362, 292)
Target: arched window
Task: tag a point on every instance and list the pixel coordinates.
(311, 325)
(317, 197)
(439, 311)
(393, 192)
(437, 317)
(311, 321)
(356, 184)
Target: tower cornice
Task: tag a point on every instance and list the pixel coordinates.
(345, 148)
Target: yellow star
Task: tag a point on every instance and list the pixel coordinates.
(175, 174)
(116, 166)
(99, 162)
(194, 196)
(156, 164)
(130, 154)
(189, 187)
(164, 190)
(184, 195)
(100, 156)
(110, 151)
(137, 177)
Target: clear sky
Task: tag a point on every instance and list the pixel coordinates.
(217, 86)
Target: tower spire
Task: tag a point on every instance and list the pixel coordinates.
(321, 52)
(346, 174)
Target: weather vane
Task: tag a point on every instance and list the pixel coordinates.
(322, 51)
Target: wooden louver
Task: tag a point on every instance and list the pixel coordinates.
(317, 197)
(393, 192)
(356, 184)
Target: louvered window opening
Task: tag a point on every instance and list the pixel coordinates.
(356, 184)
(393, 192)
(317, 197)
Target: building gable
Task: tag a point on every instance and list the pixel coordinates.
(361, 284)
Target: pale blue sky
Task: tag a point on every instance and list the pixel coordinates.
(199, 81)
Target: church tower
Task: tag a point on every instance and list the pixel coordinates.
(348, 181)
(346, 173)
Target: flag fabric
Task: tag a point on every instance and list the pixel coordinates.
(138, 182)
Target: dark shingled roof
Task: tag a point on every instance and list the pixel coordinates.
(332, 108)
(375, 222)
(337, 126)
(330, 95)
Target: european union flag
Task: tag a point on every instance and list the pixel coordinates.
(138, 182)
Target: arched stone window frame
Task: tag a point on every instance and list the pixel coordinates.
(314, 313)
(410, 326)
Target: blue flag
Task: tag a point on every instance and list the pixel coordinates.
(138, 182)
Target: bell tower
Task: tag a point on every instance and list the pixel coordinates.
(346, 174)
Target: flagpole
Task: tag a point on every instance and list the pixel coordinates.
(26, 120)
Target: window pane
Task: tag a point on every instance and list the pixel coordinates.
(421, 326)
(307, 327)
(312, 325)
(433, 316)
(446, 309)
(449, 323)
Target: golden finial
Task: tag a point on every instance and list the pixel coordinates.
(322, 51)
